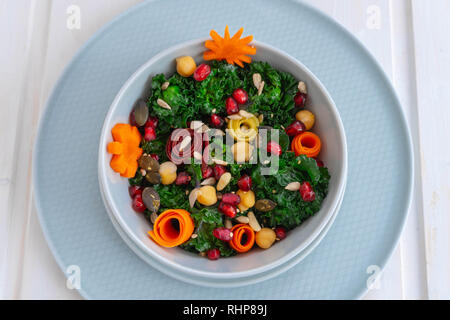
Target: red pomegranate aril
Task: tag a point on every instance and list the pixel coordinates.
(202, 72)
(307, 192)
(216, 120)
(134, 191)
(319, 163)
(207, 171)
(213, 254)
(182, 178)
(132, 119)
(137, 204)
(231, 106)
(223, 234)
(280, 232)
(231, 198)
(295, 128)
(300, 100)
(150, 134)
(245, 182)
(152, 122)
(155, 156)
(227, 209)
(274, 148)
(219, 171)
(240, 96)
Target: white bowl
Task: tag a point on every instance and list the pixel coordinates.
(115, 188)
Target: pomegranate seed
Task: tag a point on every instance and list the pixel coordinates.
(202, 72)
(132, 119)
(274, 148)
(295, 128)
(207, 171)
(300, 100)
(231, 198)
(280, 232)
(240, 96)
(155, 156)
(150, 134)
(245, 182)
(216, 121)
(134, 191)
(213, 254)
(182, 178)
(307, 192)
(137, 204)
(227, 209)
(222, 233)
(219, 171)
(152, 122)
(231, 106)
(319, 163)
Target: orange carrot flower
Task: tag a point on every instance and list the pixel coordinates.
(125, 149)
(232, 49)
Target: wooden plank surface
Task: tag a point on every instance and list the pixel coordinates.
(40, 45)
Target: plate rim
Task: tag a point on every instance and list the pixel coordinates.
(75, 58)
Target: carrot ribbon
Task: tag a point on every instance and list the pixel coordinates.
(239, 231)
(306, 143)
(165, 231)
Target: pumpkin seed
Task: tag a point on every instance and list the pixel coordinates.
(141, 112)
(151, 199)
(147, 163)
(153, 177)
(265, 205)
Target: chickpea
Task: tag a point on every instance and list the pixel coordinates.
(168, 172)
(247, 200)
(207, 196)
(186, 66)
(242, 151)
(307, 117)
(265, 238)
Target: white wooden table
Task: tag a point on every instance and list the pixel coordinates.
(408, 37)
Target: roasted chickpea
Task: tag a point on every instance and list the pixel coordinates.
(247, 200)
(186, 66)
(265, 238)
(168, 172)
(307, 117)
(207, 196)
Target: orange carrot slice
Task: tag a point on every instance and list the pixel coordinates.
(238, 242)
(125, 149)
(232, 49)
(306, 143)
(172, 228)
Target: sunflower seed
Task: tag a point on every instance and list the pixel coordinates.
(257, 80)
(219, 162)
(302, 87)
(197, 155)
(254, 224)
(223, 181)
(196, 125)
(186, 141)
(234, 117)
(245, 114)
(193, 197)
(209, 182)
(243, 219)
(261, 87)
(194, 235)
(261, 118)
(293, 186)
(165, 85)
(163, 104)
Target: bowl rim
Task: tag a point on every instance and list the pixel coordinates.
(102, 177)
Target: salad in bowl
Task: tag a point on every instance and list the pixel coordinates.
(222, 157)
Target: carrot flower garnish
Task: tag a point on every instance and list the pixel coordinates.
(232, 49)
(172, 228)
(125, 149)
(306, 143)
